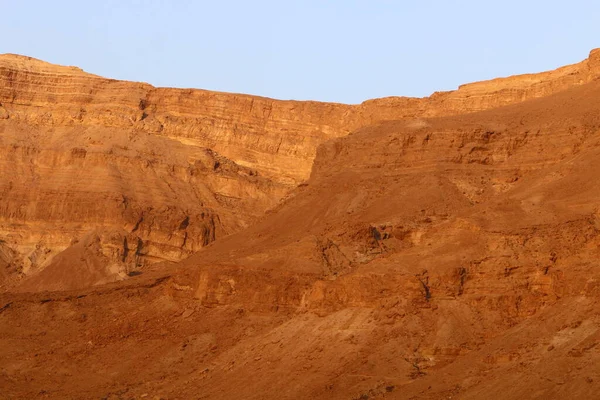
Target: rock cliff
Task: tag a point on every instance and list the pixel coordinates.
(153, 174)
(446, 248)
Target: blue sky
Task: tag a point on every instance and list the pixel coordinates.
(345, 51)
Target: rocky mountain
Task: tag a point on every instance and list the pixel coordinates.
(443, 247)
(130, 174)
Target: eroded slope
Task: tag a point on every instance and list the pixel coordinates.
(428, 258)
(142, 174)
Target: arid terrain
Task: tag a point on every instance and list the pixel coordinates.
(161, 243)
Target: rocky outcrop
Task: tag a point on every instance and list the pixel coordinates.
(277, 138)
(153, 199)
(166, 171)
(453, 256)
(464, 245)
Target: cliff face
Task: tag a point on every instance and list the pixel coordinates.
(277, 138)
(452, 256)
(142, 174)
(441, 257)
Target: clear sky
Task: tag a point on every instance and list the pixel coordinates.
(338, 50)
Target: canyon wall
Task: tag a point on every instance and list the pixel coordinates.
(129, 174)
(428, 258)
(277, 138)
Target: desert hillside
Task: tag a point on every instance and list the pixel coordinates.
(226, 246)
(122, 174)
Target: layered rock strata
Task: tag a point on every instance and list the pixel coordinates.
(145, 174)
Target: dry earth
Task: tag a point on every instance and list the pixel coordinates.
(435, 248)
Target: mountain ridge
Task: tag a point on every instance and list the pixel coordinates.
(61, 117)
(442, 248)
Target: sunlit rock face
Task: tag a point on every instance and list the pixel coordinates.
(151, 174)
(433, 248)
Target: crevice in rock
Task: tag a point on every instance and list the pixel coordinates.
(185, 223)
(424, 280)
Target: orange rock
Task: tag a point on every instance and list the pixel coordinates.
(440, 250)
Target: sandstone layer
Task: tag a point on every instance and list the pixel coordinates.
(447, 248)
(147, 174)
(277, 138)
